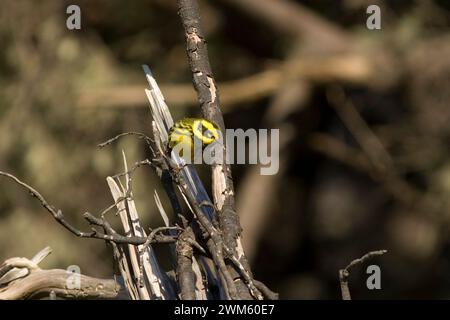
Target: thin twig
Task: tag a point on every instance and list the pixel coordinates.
(345, 273)
(101, 222)
(147, 139)
(150, 239)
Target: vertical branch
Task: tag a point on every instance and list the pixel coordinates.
(206, 89)
(197, 51)
(343, 280)
(208, 96)
(186, 276)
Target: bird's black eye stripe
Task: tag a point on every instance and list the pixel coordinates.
(206, 130)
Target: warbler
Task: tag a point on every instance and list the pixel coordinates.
(192, 132)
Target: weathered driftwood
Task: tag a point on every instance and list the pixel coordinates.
(21, 278)
(47, 283)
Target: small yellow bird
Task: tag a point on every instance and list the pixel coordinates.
(189, 130)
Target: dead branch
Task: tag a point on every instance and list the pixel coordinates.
(147, 139)
(186, 277)
(21, 278)
(109, 235)
(41, 283)
(208, 96)
(345, 273)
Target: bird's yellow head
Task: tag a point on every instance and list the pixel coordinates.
(186, 130)
(205, 130)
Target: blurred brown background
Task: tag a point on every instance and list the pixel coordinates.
(363, 116)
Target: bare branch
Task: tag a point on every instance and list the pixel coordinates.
(40, 283)
(222, 183)
(345, 273)
(111, 234)
(186, 276)
(147, 139)
(151, 239)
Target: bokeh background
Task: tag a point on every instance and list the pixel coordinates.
(363, 118)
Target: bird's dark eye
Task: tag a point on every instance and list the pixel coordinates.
(206, 132)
